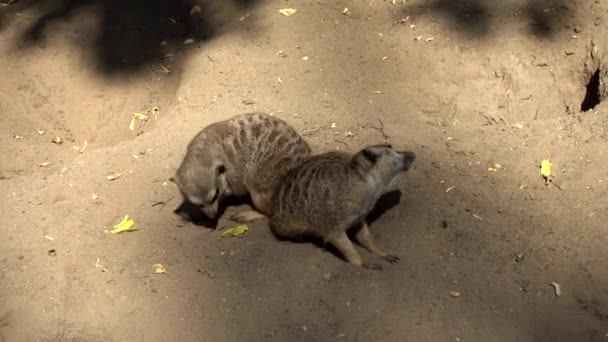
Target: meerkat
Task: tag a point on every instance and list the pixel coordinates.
(332, 193)
(248, 154)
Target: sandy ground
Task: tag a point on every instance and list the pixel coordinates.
(468, 85)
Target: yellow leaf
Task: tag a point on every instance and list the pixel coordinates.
(287, 11)
(545, 168)
(159, 269)
(140, 116)
(125, 225)
(235, 231)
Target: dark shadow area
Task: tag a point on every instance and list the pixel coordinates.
(481, 18)
(384, 204)
(193, 214)
(470, 16)
(592, 95)
(133, 33)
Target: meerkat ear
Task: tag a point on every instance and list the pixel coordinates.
(372, 153)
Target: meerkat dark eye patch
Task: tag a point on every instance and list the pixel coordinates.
(373, 153)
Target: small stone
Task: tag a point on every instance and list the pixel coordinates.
(455, 294)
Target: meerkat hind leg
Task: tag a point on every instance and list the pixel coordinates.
(365, 238)
(341, 241)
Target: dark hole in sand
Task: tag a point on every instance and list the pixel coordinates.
(592, 96)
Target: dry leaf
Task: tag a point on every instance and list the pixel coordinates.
(557, 288)
(163, 68)
(288, 11)
(140, 116)
(84, 146)
(132, 124)
(160, 269)
(114, 176)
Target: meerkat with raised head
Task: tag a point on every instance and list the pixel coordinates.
(248, 154)
(331, 193)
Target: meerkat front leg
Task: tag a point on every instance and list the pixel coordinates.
(341, 241)
(247, 216)
(261, 202)
(365, 238)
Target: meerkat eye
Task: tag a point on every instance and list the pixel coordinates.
(220, 169)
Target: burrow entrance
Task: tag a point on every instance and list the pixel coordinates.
(592, 95)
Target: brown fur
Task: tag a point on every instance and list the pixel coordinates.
(333, 192)
(246, 154)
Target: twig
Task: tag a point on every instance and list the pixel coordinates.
(381, 130)
(162, 203)
(341, 142)
(311, 130)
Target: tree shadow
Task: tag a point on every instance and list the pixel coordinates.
(133, 33)
(482, 18)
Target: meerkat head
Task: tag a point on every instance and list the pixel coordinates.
(383, 162)
(202, 182)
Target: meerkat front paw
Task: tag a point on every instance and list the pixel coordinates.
(393, 259)
(372, 266)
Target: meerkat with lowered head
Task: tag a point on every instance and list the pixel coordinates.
(333, 192)
(248, 154)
